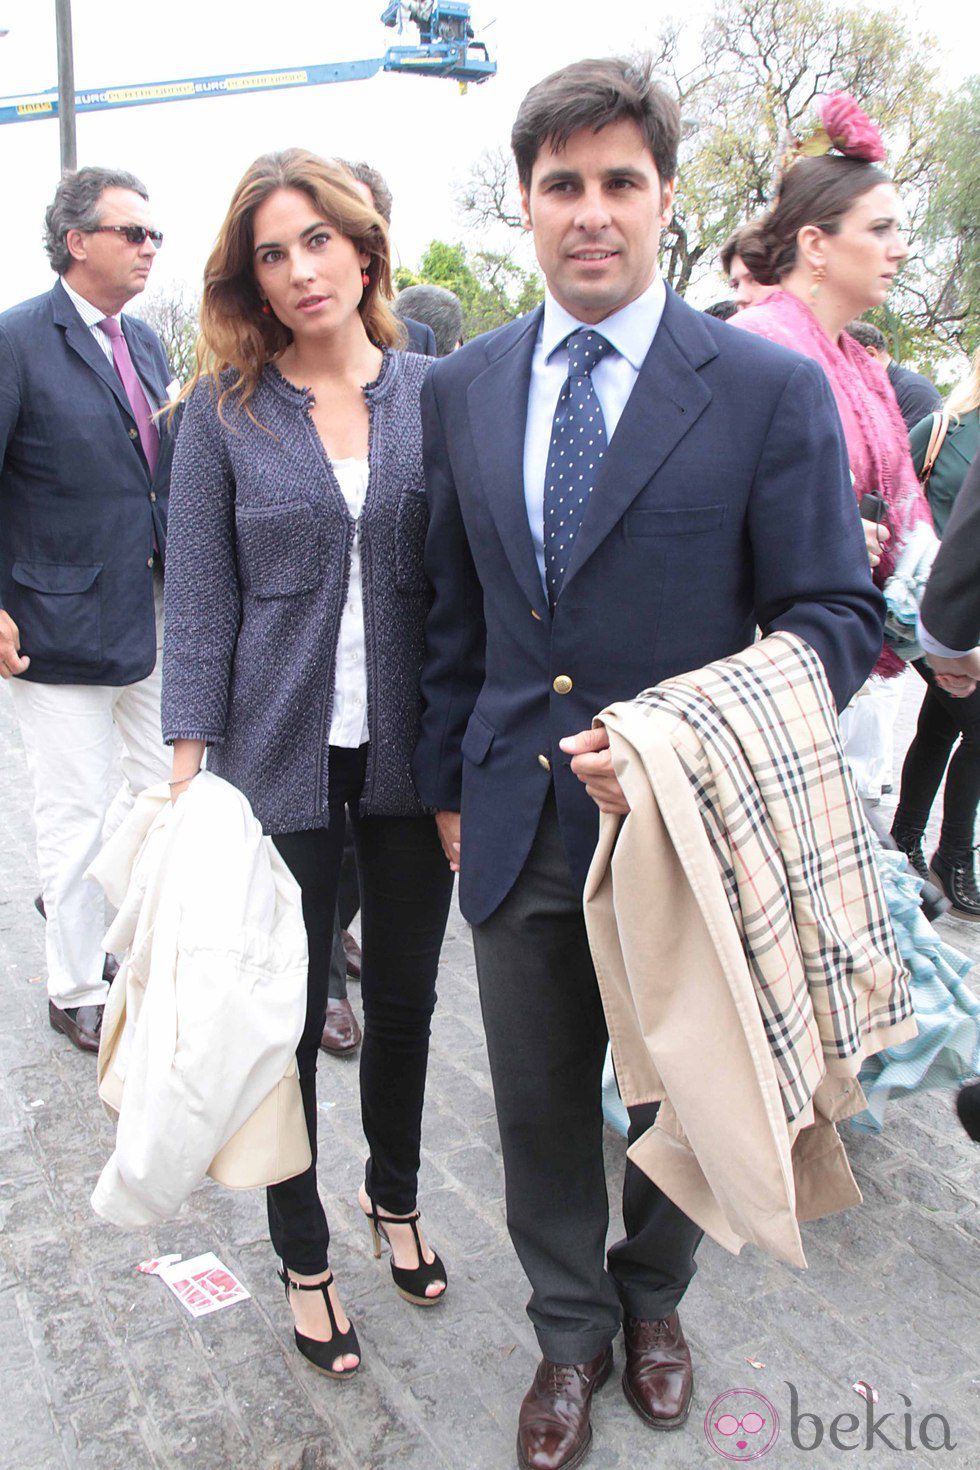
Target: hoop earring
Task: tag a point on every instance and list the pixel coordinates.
(365, 279)
(819, 276)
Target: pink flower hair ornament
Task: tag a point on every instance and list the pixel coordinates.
(843, 127)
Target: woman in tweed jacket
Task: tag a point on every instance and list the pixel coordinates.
(295, 606)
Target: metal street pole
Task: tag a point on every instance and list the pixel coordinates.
(66, 86)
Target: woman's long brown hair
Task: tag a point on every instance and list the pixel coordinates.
(235, 333)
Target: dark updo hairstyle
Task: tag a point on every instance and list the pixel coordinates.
(814, 191)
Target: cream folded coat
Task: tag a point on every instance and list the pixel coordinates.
(202, 1022)
(688, 949)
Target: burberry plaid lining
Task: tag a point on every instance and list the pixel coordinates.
(757, 737)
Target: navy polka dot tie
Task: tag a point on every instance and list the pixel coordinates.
(578, 443)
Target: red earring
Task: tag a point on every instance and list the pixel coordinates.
(365, 279)
(266, 309)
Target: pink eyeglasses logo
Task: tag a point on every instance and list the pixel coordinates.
(741, 1425)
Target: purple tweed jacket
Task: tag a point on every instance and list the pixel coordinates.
(257, 571)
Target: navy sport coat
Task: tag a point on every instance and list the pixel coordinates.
(724, 502)
(79, 513)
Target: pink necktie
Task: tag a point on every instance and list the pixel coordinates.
(148, 432)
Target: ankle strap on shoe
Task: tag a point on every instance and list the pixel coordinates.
(292, 1285)
(379, 1219)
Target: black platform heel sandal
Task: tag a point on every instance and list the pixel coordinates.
(323, 1355)
(410, 1281)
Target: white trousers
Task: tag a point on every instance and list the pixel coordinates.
(69, 733)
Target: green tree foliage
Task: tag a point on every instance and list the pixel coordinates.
(762, 65)
(952, 220)
(173, 315)
(491, 286)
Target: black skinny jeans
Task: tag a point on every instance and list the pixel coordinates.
(406, 887)
(941, 719)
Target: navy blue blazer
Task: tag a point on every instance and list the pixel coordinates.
(79, 513)
(421, 337)
(723, 502)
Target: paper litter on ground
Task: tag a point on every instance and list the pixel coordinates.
(155, 1266)
(203, 1284)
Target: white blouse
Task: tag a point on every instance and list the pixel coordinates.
(349, 721)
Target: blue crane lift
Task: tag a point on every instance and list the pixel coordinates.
(446, 48)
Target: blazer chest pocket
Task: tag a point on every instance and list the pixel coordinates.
(685, 520)
(278, 549)
(58, 610)
(411, 525)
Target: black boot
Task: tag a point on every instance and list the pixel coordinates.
(956, 876)
(908, 839)
(968, 1107)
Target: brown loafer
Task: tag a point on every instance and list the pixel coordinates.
(341, 1033)
(81, 1024)
(352, 954)
(553, 1431)
(658, 1380)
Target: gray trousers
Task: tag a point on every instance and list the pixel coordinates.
(546, 1037)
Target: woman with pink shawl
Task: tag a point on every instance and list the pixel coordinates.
(832, 243)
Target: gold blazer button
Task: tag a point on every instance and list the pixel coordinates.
(562, 685)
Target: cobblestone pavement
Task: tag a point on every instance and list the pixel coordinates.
(101, 1367)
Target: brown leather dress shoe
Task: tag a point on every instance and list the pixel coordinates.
(658, 1380)
(81, 1024)
(352, 954)
(553, 1431)
(341, 1033)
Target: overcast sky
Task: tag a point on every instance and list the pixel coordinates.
(420, 132)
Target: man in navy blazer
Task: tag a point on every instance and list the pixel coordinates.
(84, 472)
(710, 494)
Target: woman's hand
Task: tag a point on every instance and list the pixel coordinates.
(447, 825)
(875, 536)
(188, 757)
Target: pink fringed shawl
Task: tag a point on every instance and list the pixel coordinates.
(877, 440)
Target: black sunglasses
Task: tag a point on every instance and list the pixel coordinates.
(135, 234)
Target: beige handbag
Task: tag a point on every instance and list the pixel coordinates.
(940, 424)
(270, 1146)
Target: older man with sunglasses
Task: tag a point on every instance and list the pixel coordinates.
(84, 469)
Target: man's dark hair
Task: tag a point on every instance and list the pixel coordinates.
(76, 206)
(723, 310)
(593, 94)
(438, 308)
(867, 335)
(380, 193)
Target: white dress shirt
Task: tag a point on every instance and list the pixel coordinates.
(349, 719)
(933, 645)
(631, 331)
(91, 316)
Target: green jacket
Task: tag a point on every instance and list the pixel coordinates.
(959, 447)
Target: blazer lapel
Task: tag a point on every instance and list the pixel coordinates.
(497, 405)
(80, 340)
(668, 398)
